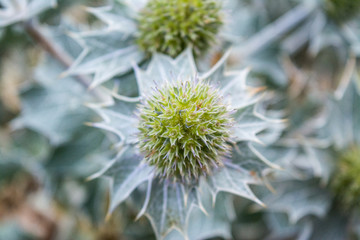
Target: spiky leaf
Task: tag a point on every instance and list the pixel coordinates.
(12, 11)
(299, 199)
(107, 52)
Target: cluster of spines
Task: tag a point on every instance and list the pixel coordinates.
(184, 130)
(346, 179)
(170, 26)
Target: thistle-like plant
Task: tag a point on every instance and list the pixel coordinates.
(184, 129)
(171, 26)
(188, 135)
(138, 28)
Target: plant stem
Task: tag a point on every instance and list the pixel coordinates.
(58, 53)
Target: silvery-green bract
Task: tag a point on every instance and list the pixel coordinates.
(168, 201)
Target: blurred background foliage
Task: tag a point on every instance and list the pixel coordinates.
(47, 152)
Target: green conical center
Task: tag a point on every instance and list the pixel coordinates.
(170, 26)
(184, 129)
(346, 180)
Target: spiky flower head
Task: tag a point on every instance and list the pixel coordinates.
(184, 129)
(170, 26)
(346, 183)
(342, 10)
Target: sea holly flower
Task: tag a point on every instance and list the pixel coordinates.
(189, 135)
(138, 28)
(170, 26)
(184, 129)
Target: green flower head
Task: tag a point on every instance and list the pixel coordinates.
(184, 129)
(189, 135)
(342, 10)
(170, 26)
(346, 183)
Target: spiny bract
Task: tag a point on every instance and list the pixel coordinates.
(346, 183)
(342, 10)
(184, 129)
(170, 26)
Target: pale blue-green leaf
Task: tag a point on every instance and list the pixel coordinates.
(250, 157)
(320, 160)
(236, 90)
(217, 74)
(135, 5)
(248, 123)
(238, 11)
(310, 29)
(117, 16)
(168, 208)
(119, 118)
(333, 227)
(13, 11)
(233, 180)
(351, 32)
(164, 69)
(232, 83)
(344, 119)
(299, 158)
(79, 157)
(126, 173)
(298, 199)
(125, 85)
(282, 155)
(328, 37)
(281, 228)
(106, 53)
(174, 235)
(216, 222)
(55, 109)
(24, 146)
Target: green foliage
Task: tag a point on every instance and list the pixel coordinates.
(171, 26)
(184, 129)
(346, 179)
(342, 10)
(183, 132)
